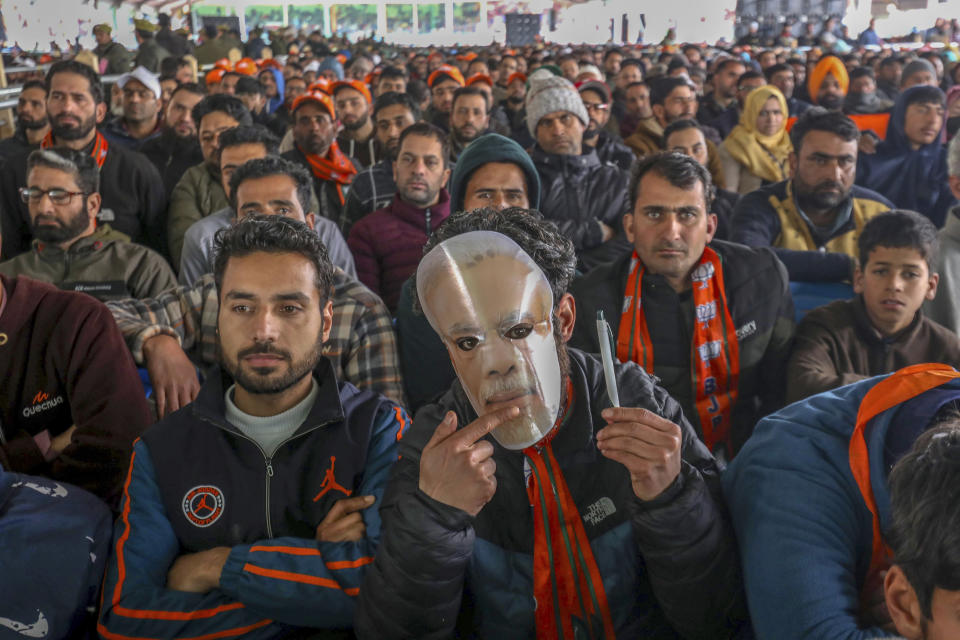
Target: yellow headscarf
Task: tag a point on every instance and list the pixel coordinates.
(764, 156)
(827, 64)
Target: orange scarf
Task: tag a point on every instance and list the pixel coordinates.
(570, 599)
(335, 167)
(715, 355)
(904, 385)
(100, 146)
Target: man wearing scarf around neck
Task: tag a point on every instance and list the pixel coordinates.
(134, 201)
(314, 133)
(576, 519)
(712, 320)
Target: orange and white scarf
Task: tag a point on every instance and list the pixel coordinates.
(715, 356)
(100, 147)
(334, 167)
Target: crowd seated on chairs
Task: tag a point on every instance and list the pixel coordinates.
(535, 341)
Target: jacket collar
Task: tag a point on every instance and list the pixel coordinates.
(210, 405)
(587, 159)
(411, 213)
(951, 228)
(869, 333)
(103, 236)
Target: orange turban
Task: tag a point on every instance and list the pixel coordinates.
(827, 64)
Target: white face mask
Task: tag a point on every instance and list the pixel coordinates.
(492, 306)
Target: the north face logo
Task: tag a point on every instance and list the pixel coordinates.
(599, 511)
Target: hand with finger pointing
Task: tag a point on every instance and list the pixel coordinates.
(457, 467)
(646, 444)
(343, 523)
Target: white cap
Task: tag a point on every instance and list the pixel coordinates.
(144, 77)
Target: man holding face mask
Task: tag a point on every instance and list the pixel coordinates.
(617, 510)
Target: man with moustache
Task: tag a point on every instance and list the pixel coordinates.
(812, 221)
(353, 101)
(597, 100)
(32, 121)
(140, 121)
(199, 192)
(577, 518)
(69, 248)
(388, 243)
(316, 149)
(583, 196)
(176, 149)
(195, 555)
(495, 172)
(134, 201)
(237, 147)
(697, 294)
(469, 118)
(373, 188)
(513, 106)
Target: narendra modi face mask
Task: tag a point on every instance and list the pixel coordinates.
(492, 306)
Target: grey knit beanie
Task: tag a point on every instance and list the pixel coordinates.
(550, 94)
(917, 65)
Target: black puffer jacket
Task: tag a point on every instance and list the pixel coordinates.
(669, 566)
(761, 309)
(578, 192)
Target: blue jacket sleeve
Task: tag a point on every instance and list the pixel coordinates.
(308, 583)
(803, 531)
(136, 602)
(755, 224)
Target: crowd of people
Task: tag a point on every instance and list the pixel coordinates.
(339, 340)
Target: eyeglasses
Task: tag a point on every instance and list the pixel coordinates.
(591, 106)
(57, 196)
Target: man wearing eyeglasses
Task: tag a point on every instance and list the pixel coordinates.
(69, 248)
(597, 99)
(133, 198)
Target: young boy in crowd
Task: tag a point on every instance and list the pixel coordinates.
(881, 329)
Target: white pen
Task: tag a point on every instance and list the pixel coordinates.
(605, 337)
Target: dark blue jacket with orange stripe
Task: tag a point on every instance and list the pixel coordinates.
(196, 482)
(803, 521)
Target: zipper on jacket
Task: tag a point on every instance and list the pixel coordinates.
(427, 218)
(267, 461)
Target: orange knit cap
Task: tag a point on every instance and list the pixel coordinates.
(827, 64)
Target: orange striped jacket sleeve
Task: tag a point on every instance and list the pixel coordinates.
(135, 601)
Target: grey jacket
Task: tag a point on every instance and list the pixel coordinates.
(945, 308)
(196, 257)
(105, 265)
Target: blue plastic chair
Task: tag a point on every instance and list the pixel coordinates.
(810, 295)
